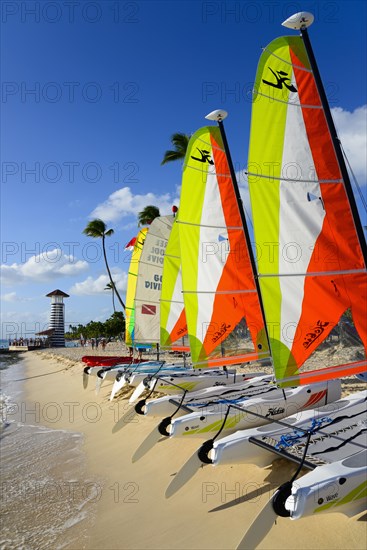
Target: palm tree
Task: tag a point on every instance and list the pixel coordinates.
(180, 142)
(110, 287)
(97, 229)
(147, 215)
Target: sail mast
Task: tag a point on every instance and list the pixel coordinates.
(301, 21)
(219, 116)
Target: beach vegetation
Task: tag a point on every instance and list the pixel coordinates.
(112, 328)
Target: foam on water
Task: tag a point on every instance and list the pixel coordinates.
(47, 500)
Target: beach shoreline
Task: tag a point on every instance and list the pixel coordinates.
(212, 511)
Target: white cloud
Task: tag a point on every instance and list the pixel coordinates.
(352, 132)
(123, 203)
(23, 323)
(13, 297)
(43, 267)
(91, 286)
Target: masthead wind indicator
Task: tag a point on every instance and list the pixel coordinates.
(217, 115)
(299, 20)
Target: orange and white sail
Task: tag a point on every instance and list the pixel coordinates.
(224, 319)
(173, 333)
(310, 261)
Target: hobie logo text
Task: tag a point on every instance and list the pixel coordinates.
(205, 156)
(311, 337)
(281, 79)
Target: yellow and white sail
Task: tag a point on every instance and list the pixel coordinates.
(310, 263)
(131, 286)
(225, 323)
(173, 316)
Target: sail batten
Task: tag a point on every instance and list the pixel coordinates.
(286, 61)
(337, 371)
(318, 273)
(294, 180)
(291, 104)
(198, 291)
(211, 226)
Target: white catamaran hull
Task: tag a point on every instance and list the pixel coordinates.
(276, 405)
(198, 381)
(144, 369)
(147, 367)
(237, 448)
(172, 382)
(123, 376)
(92, 371)
(180, 380)
(337, 487)
(167, 405)
(135, 378)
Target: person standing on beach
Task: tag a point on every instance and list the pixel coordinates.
(140, 353)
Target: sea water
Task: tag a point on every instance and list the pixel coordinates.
(47, 499)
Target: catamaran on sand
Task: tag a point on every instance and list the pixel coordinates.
(288, 305)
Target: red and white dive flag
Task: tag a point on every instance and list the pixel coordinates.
(130, 244)
(148, 309)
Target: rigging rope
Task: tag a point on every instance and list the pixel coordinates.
(363, 200)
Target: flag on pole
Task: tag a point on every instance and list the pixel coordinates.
(130, 244)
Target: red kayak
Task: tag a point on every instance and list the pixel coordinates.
(110, 361)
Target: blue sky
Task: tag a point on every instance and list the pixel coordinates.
(92, 92)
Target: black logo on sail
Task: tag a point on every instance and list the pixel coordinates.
(205, 156)
(221, 332)
(281, 78)
(315, 334)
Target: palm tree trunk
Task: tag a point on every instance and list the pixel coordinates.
(113, 300)
(110, 276)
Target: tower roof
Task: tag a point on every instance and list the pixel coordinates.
(47, 332)
(57, 293)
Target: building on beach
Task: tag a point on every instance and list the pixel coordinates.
(57, 318)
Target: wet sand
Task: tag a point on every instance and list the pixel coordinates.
(130, 510)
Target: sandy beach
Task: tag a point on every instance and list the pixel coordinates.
(127, 508)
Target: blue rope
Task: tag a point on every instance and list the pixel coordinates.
(288, 440)
(219, 402)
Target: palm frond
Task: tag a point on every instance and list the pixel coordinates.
(95, 228)
(180, 143)
(148, 214)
